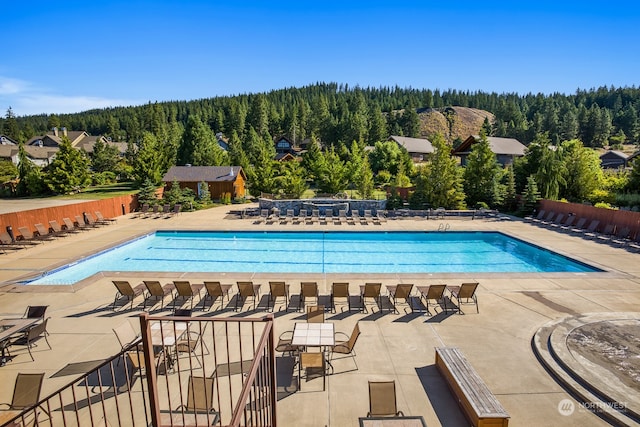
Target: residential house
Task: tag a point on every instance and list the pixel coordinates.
(219, 179)
(40, 156)
(506, 149)
(419, 149)
(613, 159)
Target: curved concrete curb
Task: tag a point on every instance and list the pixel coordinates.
(595, 386)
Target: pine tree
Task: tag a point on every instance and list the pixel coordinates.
(444, 183)
(11, 128)
(69, 171)
(148, 161)
(531, 196)
(481, 175)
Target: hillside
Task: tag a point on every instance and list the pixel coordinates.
(452, 122)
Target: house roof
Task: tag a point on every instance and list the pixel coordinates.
(34, 152)
(510, 146)
(281, 157)
(614, 153)
(413, 145)
(203, 173)
(5, 140)
(8, 151)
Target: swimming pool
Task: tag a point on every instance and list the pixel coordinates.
(319, 252)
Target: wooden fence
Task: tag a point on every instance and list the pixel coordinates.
(110, 208)
(618, 218)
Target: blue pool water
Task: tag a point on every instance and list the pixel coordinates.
(320, 252)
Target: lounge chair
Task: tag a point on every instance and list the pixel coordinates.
(81, 223)
(126, 335)
(607, 234)
(381, 216)
(186, 291)
(176, 209)
(315, 215)
(89, 219)
(557, 222)
(263, 217)
(290, 216)
(32, 335)
(568, 223)
(382, 399)
(307, 290)
(621, 236)
(355, 216)
(215, 290)
(368, 216)
(399, 292)
(143, 210)
(542, 216)
(57, 228)
(328, 216)
(578, 227)
(26, 394)
(592, 234)
(156, 292)
(548, 219)
(27, 235)
(433, 293)
(465, 294)
(302, 216)
(346, 347)
(536, 218)
(124, 290)
(340, 290)
(278, 289)
(71, 227)
(7, 243)
(247, 290)
(593, 226)
(200, 403)
(44, 232)
(315, 314)
(166, 209)
(103, 220)
(370, 290)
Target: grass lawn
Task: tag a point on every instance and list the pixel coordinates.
(102, 191)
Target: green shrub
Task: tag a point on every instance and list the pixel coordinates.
(605, 206)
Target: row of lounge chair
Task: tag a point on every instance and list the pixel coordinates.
(28, 237)
(609, 233)
(318, 216)
(158, 211)
(182, 291)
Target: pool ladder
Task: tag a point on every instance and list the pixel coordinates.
(444, 227)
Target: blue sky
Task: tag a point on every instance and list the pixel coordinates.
(70, 56)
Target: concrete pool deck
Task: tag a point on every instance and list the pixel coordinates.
(497, 341)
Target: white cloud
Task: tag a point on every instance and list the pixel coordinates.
(25, 99)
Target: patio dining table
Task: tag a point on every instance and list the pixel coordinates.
(412, 421)
(8, 328)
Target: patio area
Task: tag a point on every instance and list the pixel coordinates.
(497, 341)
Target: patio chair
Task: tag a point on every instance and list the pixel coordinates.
(278, 289)
(400, 292)
(465, 294)
(199, 401)
(32, 335)
(124, 290)
(307, 290)
(285, 344)
(370, 290)
(126, 335)
(101, 219)
(433, 293)
(138, 364)
(186, 291)
(247, 290)
(35, 312)
(192, 341)
(215, 290)
(310, 361)
(382, 399)
(346, 347)
(156, 292)
(26, 394)
(315, 314)
(340, 290)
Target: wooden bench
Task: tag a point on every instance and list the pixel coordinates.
(479, 405)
